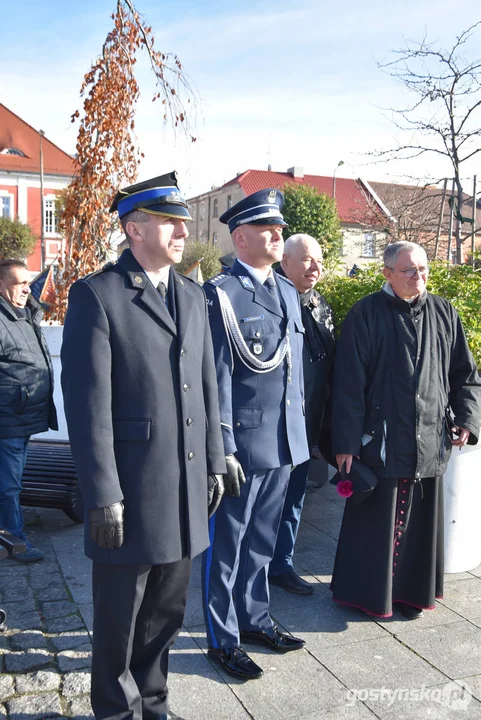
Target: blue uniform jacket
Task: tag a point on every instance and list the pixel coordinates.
(262, 414)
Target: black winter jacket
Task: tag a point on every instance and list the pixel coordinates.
(317, 358)
(400, 371)
(26, 375)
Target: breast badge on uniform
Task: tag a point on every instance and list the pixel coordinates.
(246, 282)
(257, 348)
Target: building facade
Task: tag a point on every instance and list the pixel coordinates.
(32, 172)
(363, 216)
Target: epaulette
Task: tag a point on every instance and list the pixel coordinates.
(105, 267)
(218, 279)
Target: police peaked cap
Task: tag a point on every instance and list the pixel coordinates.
(261, 208)
(158, 196)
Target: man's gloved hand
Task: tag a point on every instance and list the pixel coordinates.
(235, 476)
(215, 491)
(107, 526)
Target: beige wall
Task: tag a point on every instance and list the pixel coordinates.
(205, 226)
(356, 244)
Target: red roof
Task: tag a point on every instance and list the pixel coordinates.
(354, 204)
(16, 133)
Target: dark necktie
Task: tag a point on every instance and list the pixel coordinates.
(163, 291)
(270, 284)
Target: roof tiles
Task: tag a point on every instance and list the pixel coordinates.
(354, 204)
(16, 133)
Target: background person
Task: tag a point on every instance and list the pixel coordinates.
(141, 403)
(26, 392)
(402, 367)
(302, 264)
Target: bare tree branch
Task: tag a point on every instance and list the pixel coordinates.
(445, 115)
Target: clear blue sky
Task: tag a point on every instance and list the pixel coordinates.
(290, 83)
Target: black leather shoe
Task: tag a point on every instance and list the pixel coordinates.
(290, 581)
(273, 638)
(409, 611)
(236, 662)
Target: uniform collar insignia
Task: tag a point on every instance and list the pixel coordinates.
(246, 282)
(137, 279)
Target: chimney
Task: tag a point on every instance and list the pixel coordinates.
(296, 171)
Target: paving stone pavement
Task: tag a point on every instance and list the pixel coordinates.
(352, 668)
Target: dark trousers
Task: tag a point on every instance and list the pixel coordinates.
(138, 612)
(243, 533)
(290, 520)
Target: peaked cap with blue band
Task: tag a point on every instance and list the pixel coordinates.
(261, 208)
(158, 196)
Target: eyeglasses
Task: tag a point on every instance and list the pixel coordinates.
(411, 272)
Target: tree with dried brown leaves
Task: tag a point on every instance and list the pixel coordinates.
(107, 152)
(445, 116)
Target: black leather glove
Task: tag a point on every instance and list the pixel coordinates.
(215, 491)
(107, 526)
(235, 476)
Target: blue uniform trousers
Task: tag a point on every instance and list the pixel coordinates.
(243, 533)
(290, 520)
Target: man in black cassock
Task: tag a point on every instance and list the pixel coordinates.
(406, 389)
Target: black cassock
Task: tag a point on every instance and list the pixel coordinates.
(401, 370)
(391, 547)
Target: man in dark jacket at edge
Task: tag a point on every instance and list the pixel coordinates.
(302, 264)
(26, 392)
(142, 408)
(403, 369)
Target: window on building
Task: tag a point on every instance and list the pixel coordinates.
(229, 202)
(215, 208)
(202, 210)
(13, 151)
(214, 238)
(6, 206)
(368, 249)
(50, 219)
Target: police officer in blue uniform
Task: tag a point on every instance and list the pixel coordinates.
(258, 336)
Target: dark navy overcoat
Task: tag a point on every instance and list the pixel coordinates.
(141, 402)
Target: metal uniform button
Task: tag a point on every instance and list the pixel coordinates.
(288, 402)
(258, 334)
(189, 421)
(190, 456)
(185, 387)
(182, 352)
(237, 424)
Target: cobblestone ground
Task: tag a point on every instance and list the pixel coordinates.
(45, 653)
(352, 667)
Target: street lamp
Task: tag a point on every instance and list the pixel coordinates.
(341, 162)
(42, 221)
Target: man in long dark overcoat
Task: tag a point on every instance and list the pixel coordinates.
(406, 389)
(141, 403)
